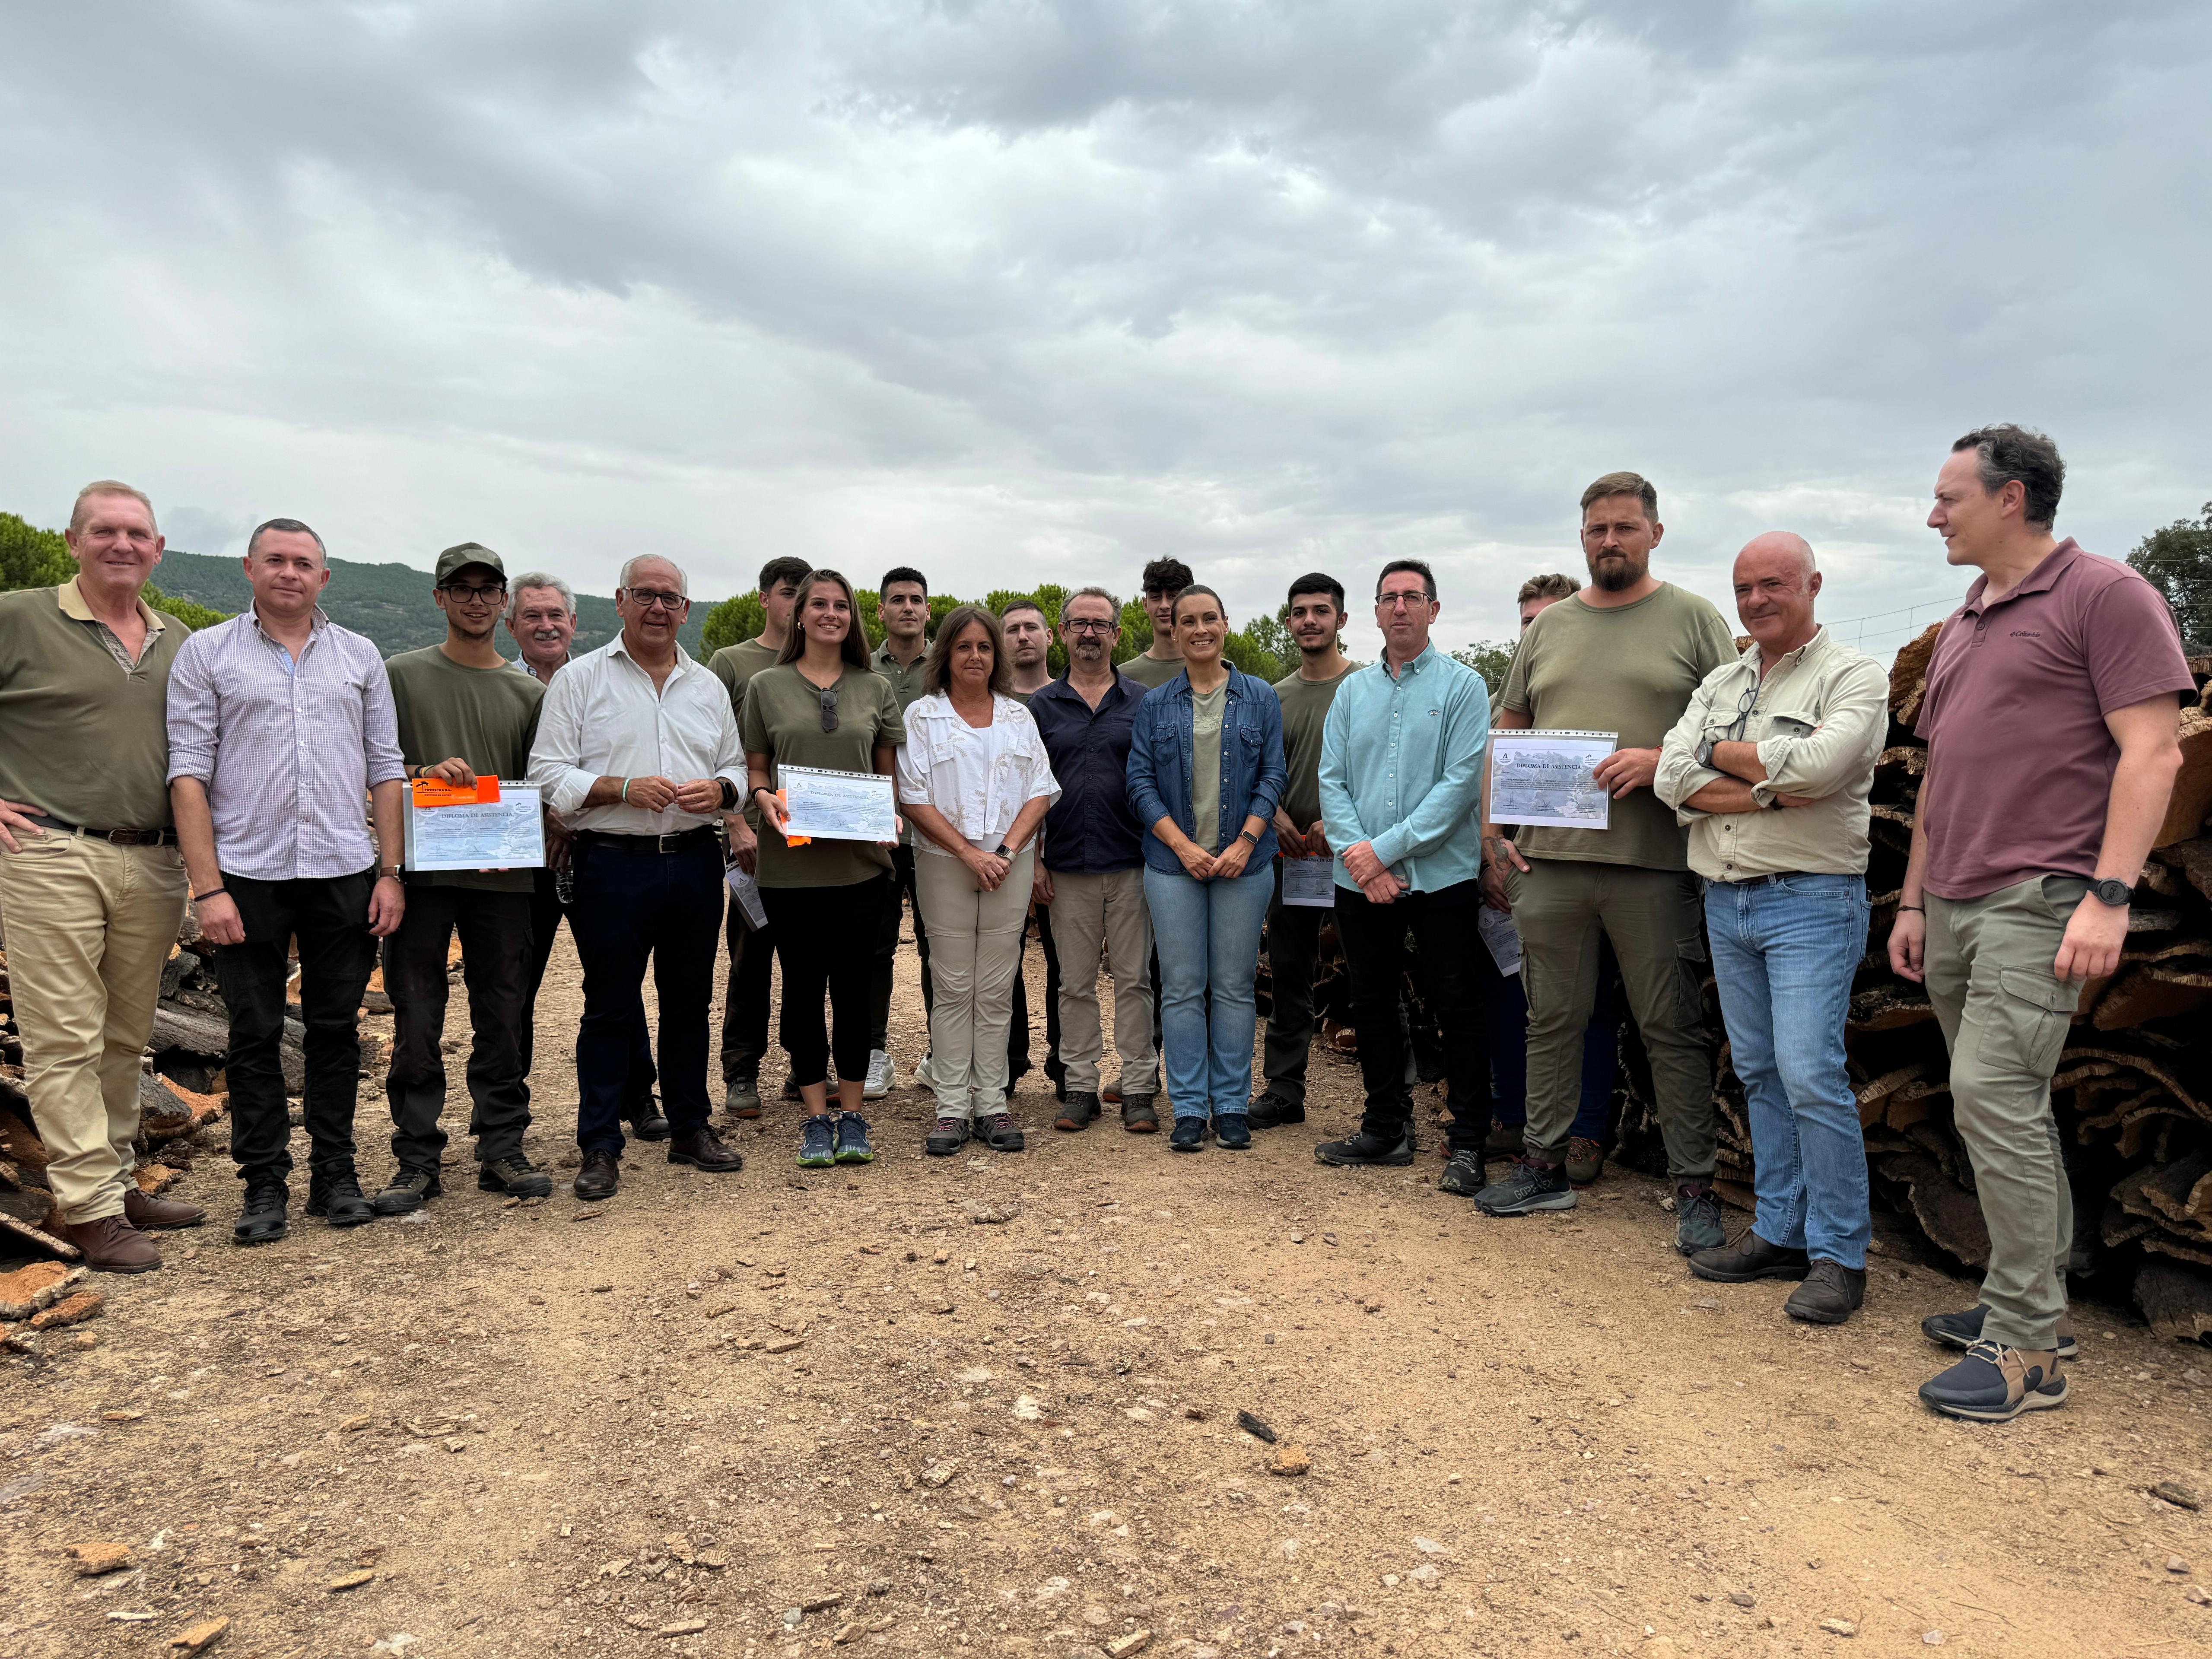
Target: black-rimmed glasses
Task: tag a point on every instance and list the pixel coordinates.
(650, 599)
(1733, 732)
(829, 694)
(1088, 625)
(488, 595)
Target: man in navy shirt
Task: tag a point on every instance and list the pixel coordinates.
(1092, 867)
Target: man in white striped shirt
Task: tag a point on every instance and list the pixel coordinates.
(637, 751)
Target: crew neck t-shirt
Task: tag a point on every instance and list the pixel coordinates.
(486, 716)
(1206, 708)
(734, 666)
(782, 719)
(1305, 714)
(1151, 672)
(1629, 671)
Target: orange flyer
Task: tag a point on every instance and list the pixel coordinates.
(436, 792)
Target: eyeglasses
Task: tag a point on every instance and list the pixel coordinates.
(828, 707)
(650, 599)
(1086, 625)
(482, 595)
(1401, 601)
(1733, 732)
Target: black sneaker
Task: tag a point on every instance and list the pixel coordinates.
(1698, 1220)
(410, 1187)
(263, 1221)
(1271, 1110)
(1963, 1330)
(997, 1130)
(949, 1135)
(1363, 1151)
(1189, 1135)
(1233, 1130)
(741, 1098)
(1525, 1188)
(515, 1175)
(1463, 1175)
(337, 1199)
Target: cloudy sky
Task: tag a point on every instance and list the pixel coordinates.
(1020, 292)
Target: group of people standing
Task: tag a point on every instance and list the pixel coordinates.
(1145, 817)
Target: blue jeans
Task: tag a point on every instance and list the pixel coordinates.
(632, 908)
(1209, 937)
(1506, 1006)
(1783, 954)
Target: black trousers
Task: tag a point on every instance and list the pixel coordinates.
(330, 919)
(895, 894)
(496, 952)
(545, 913)
(1293, 942)
(1445, 929)
(815, 931)
(633, 908)
(1018, 1029)
(745, 995)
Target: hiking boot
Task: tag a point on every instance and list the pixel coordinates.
(515, 1175)
(883, 1076)
(1233, 1130)
(1585, 1160)
(1750, 1257)
(1361, 1150)
(1463, 1176)
(112, 1245)
(1272, 1110)
(337, 1199)
(1076, 1114)
(144, 1211)
(949, 1135)
(1995, 1384)
(410, 1187)
(1963, 1330)
(702, 1149)
(818, 1142)
(263, 1220)
(646, 1121)
(1698, 1220)
(1506, 1140)
(998, 1131)
(852, 1140)
(599, 1177)
(1188, 1134)
(1831, 1294)
(1526, 1187)
(1138, 1115)
(742, 1098)
(1111, 1094)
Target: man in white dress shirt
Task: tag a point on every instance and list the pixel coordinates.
(637, 751)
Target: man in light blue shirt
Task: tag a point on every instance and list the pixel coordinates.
(1401, 765)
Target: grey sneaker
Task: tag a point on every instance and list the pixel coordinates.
(743, 1097)
(1463, 1175)
(1697, 1226)
(1525, 1188)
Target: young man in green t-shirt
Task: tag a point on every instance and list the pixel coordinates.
(1160, 661)
(463, 712)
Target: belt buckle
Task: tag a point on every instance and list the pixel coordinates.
(666, 843)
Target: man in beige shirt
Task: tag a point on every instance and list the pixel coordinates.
(1770, 766)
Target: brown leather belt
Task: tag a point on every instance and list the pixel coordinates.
(116, 837)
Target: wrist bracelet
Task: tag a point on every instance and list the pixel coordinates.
(625, 792)
(212, 892)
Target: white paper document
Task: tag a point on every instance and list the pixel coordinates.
(507, 834)
(1503, 935)
(1310, 882)
(746, 891)
(1544, 778)
(838, 806)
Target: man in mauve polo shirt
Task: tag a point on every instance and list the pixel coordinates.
(2051, 722)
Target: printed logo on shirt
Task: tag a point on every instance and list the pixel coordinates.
(2027, 633)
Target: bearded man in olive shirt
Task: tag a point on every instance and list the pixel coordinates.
(92, 886)
(1623, 655)
(462, 713)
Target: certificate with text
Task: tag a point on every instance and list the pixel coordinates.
(1544, 778)
(506, 832)
(828, 805)
(1310, 882)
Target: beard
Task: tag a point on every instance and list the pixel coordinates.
(1616, 571)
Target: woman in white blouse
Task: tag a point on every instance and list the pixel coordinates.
(974, 783)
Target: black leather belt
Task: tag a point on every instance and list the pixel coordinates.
(118, 837)
(681, 841)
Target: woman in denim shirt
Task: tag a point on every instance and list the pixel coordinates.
(1206, 769)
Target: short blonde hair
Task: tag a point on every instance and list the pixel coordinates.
(108, 487)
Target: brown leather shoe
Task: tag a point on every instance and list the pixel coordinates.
(144, 1210)
(112, 1245)
(599, 1176)
(703, 1149)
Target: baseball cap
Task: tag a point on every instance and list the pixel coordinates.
(468, 553)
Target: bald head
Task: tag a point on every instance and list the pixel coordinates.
(1777, 578)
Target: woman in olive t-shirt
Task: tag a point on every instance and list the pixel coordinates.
(823, 705)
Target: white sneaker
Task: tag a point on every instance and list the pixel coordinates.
(926, 1075)
(883, 1076)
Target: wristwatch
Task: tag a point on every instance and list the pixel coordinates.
(1003, 851)
(2116, 894)
(1705, 753)
(729, 793)
(387, 873)
(1248, 837)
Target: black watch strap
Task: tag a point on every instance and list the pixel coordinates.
(2115, 894)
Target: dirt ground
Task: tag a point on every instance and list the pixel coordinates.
(783, 1412)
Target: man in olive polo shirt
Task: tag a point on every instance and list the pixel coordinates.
(2051, 714)
(902, 606)
(92, 886)
(462, 713)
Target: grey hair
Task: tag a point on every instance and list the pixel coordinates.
(291, 527)
(1112, 602)
(630, 565)
(538, 578)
